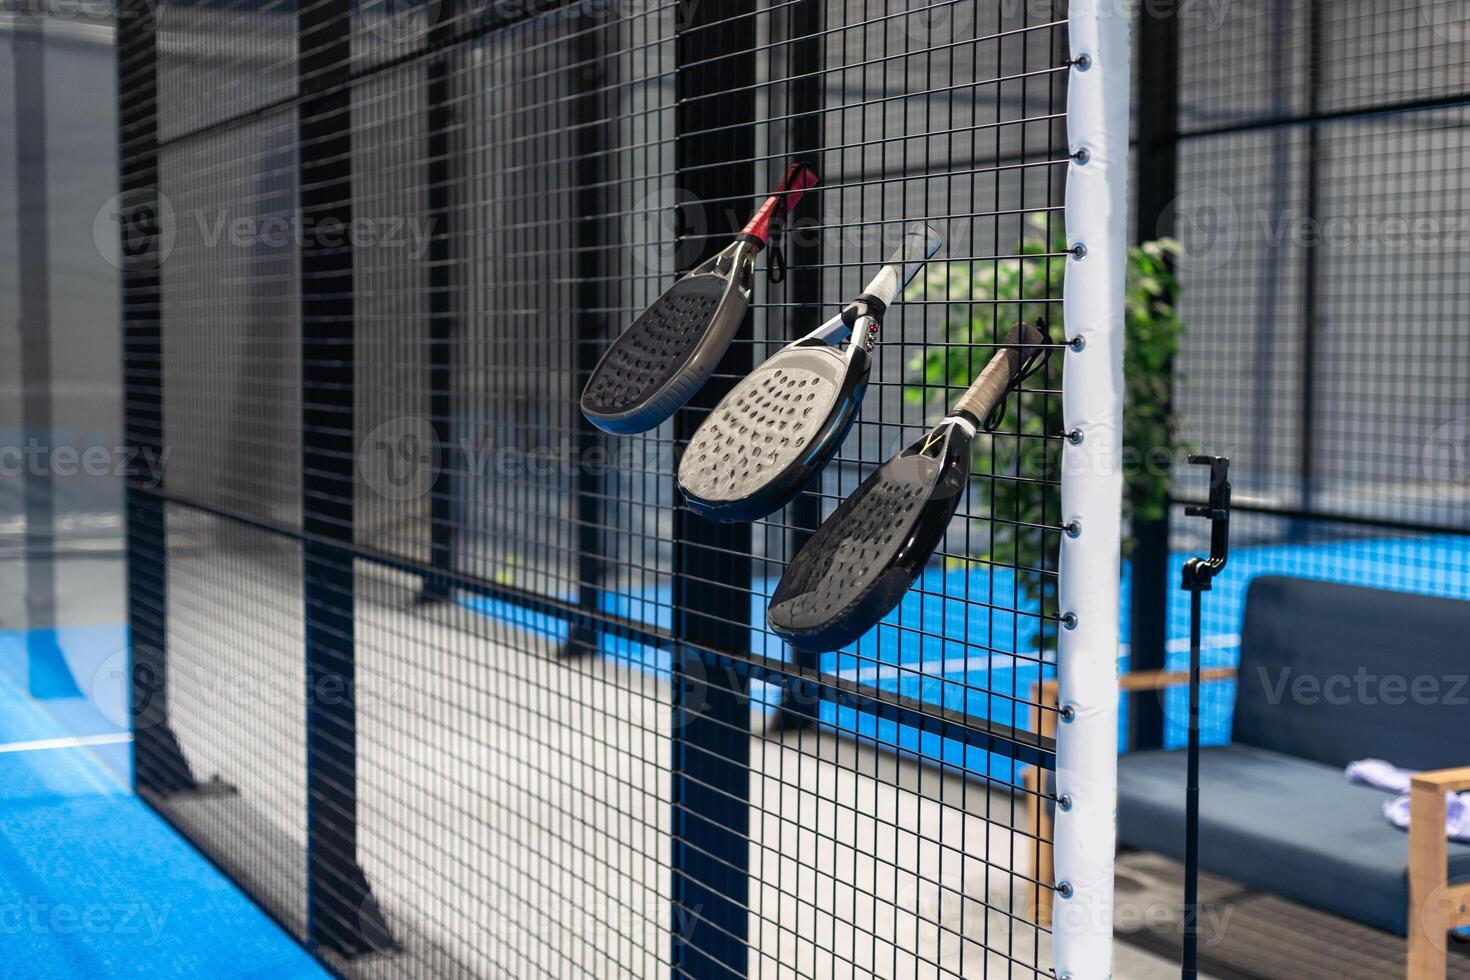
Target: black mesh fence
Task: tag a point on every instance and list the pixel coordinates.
(1321, 204)
(452, 681)
(455, 684)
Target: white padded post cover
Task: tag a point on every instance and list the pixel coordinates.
(1092, 483)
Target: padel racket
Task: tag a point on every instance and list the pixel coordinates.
(669, 352)
(868, 553)
(776, 429)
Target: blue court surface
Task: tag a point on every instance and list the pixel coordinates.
(960, 644)
(92, 882)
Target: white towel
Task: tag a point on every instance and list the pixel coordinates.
(1379, 775)
(1456, 814)
(1385, 775)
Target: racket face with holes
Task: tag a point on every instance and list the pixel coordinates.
(864, 557)
(772, 434)
(669, 352)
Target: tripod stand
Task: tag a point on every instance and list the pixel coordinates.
(1198, 574)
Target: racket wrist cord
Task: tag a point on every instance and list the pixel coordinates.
(1198, 575)
(1008, 367)
(798, 180)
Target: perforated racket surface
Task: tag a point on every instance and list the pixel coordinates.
(775, 431)
(770, 435)
(638, 378)
(864, 557)
(867, 554)
(672, 348)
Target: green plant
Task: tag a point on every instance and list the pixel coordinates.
(983, 301)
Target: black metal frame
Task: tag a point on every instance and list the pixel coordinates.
(713, 667)
(443, 324)
(1307, 460)
(341, 912)
(589, 237)
(805, 52)
(715, 143)
(1157, 162)
(159, 766)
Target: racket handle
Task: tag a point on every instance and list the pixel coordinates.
(798, 180)
(919, 242)
(987, 391)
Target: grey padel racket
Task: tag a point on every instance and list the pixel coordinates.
(669, 352)
(864, 557)
(778, 427)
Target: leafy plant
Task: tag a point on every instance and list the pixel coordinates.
(984, 300)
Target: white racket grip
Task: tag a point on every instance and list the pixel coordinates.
(920, 241)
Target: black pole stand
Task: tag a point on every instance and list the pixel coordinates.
(1198, 574)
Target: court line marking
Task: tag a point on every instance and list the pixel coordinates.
(72, 742)
(963, 665)
(1220, 641)
(934, 668)
(1216, 641)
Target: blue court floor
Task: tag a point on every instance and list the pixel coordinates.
(92, 882)
(959, 644)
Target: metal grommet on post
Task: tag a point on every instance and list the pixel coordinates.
(1072, 529)
(1082, 156)
(1082, 62)
(1069, 620)
(1064, 802)
(1064, 889)
(1079, 251)
(1067, 713)
(1074, 436)
(1077, 344)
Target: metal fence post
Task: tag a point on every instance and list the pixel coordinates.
(715, 119)
(1157, 186)
(1311, 273)
(590, 321)
(806, 46)
(341, 912)
(159, 765)
(443, 326)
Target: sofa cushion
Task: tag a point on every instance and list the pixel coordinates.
(1279, 823)
(1335, 673)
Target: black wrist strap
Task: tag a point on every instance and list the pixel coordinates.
(1034, 361)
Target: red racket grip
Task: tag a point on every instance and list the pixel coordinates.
(798, 180)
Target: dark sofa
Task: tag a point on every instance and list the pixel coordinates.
(1328, 674)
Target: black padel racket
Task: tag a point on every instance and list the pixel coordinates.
(776, 429)
(669, 352)
(868, 553)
